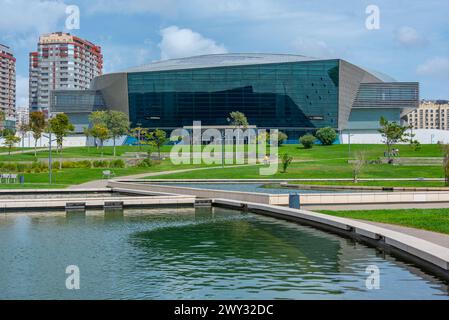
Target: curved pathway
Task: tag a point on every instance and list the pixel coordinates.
(103, 183)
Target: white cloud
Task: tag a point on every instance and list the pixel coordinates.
(312, 48)
(120, 57)
(20, 16)
(435, 67)
(21, 90)
(178, 43)
(409, 37)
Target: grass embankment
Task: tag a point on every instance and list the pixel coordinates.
(326, 162)
(436, 220)
(407, 183)
(331, 162)
(325, 169)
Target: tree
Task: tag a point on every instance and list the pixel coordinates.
(10, 141)
(358, 164)
(157, 138)
(238, 119)
(37, 126)
(326, 136)
(286, 160)
(139, 133)
(101, 133)
(117, 123)
(307, 141)
(87, 134)
(60, 125)
(23, 129)
(392, 133)
(281, 138)
(97, 117)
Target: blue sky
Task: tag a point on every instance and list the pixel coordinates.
(412, 43)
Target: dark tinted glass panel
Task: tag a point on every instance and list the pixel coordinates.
(300, 95)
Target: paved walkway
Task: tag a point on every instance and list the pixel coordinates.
(103, 183)
(23, 151)
(435, 237)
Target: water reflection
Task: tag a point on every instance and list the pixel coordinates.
(186, 253)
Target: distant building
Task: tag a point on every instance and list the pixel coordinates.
(7, 82)
(430, 115)
(22, 115)
(295, 94)
(62, 61)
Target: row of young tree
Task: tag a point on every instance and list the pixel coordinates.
(106, 125)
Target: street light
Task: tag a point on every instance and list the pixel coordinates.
(349, 143)
(50, 167)
(223, 144)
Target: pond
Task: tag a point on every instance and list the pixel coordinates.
(186, 253)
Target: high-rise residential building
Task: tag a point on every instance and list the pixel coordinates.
(430, 115)
(62, 61)
(7, 82)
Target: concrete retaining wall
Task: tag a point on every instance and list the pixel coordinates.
(274, 199)
(374, 197)
(60, 203)
(283, 199)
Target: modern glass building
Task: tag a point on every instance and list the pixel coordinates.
(295, 94)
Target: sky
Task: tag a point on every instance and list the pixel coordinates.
(410, 42)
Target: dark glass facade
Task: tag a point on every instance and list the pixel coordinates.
(78, 104)
(289, 96)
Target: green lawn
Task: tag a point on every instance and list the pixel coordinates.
(317, 169)
(80, 152)
(319, 162)
(339, 151)
(411, 183)
(428, 219)
(73, 176)
(318, 152)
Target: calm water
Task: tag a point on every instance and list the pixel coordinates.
(188, 254)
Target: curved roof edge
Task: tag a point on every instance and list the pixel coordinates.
(220, 60)
(235, 59)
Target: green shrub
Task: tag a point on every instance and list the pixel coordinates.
(85, 164)
(55, 164)
(145, 163)
(326, 136)
(21, 167)
(117, 163)
(10, 167)
(100, 164)
(68, 165)
(307, 141)
(286, 160)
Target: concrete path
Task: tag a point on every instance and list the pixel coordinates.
(102, 183)
(435, 237)
(22, 151)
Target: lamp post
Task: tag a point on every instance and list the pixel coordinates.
(50, 166)
(223, 144)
